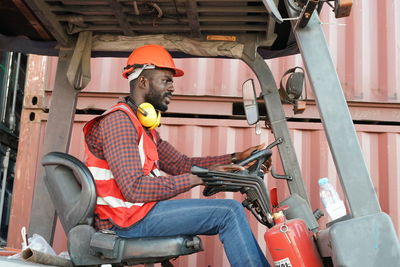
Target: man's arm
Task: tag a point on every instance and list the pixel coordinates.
(120, 146)
(173, 162)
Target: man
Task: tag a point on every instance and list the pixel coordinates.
(125, 154)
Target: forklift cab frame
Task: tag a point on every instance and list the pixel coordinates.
(76, 45)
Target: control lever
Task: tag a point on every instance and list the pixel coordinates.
(199, 171)
(248, 182)
(256, 155)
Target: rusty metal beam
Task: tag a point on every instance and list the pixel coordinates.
(111, 18)
(32, 19)
(233, 9)
(91, 18)
(121, 18)
(142, 28)
(103, 9)
(28, 147)
(177, 28)
(233, 28)
(233, 18)
(42, 11)
(193, 17)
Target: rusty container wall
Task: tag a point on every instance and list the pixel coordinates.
(199, 137)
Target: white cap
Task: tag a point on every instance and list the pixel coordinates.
(137, 71)
(323, 181)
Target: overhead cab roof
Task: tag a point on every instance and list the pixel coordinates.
(42, 26)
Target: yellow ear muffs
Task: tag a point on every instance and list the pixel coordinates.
(148, 116)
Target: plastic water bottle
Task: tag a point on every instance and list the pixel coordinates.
(333, 205)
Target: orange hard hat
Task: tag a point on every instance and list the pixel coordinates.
(150, 55)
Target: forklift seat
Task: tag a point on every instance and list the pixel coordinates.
(72, 189)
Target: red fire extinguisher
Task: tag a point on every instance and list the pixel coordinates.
(290, 242)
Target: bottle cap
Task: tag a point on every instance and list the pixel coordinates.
(323, 181)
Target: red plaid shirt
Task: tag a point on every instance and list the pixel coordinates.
(115, 139)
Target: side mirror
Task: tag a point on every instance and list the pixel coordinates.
(250, 104)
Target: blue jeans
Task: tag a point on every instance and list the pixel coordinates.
(203, 217)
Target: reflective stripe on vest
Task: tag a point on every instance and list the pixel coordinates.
(100, 174)
(110, 203)
(114, 202)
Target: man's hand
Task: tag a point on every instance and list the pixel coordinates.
(239, 156)
(266, 166)
(226, 168)
(195, 180)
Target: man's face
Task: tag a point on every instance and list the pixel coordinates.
(160, 89)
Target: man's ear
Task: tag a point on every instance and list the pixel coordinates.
(142, 82)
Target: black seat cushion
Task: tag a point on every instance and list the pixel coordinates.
(87, 247)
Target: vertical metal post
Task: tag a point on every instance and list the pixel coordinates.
(6, 85)
(29, 143)
(57, 138)
(278, 122)
(300, 205)
(12, 119)
(6, 162)
(335, 116)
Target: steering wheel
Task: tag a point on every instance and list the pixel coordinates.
(213, 187)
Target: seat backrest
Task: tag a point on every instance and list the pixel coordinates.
(71, 187)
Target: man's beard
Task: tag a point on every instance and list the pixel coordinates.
(157, 100)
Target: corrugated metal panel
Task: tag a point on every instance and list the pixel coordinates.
(198, 137)
(366, 50)
(202, 76)
(204, 137)
(364, 47)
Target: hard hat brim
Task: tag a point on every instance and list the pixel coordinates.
(178, 72)
(134, 74)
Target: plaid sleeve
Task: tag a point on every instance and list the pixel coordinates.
(120, 146)
(173, 162)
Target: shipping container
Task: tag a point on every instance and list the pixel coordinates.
(200, 137)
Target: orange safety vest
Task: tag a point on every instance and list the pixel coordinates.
(111, 204)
